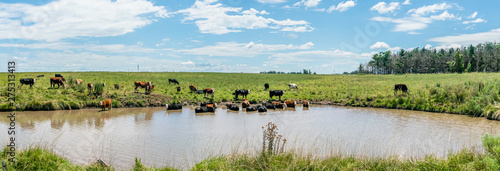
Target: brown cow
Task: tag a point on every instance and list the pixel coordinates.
(90, 87)
(290, 103)
(278, 104)
(245, 103)
(79, 81)
(105, 104)
(305, 103)
(149, 88)
(193, 88)
(141, 84)
(57, 80)
(210, 91)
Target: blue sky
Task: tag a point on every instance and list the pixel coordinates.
(325, 36)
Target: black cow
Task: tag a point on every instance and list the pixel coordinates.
(251, 108)
(174, 106)
(266, 85)
(402, 88)
(58, 75)
(40, 76)
(200, 92)
(233, 107)
(173, 81)
(204, 109)
(27, 81)
(244, 93)
(178, 89)
(117, 86)
(278, 93)
(269, 105)
(261, 108)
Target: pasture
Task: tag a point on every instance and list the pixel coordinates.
(469, 93)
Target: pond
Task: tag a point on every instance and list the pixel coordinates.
(182, 138)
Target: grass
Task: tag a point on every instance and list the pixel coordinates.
(473, 94)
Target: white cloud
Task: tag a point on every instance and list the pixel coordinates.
(271, 1)
(188, 63)
(473, 15)
(407, 24)
(250, 49)
(342, 6)
(380, 45)
(140, 43)
(74, 18)
(444, 16)
(424, 10)
(446, 47)
(467, 39)
(428, 46)
(383, 7)
(407, 2)
(297, 29)
(307, 3)
(108, 48)
(213, 18)
(478, 20)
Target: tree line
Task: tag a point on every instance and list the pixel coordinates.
(484, 57)
(304, 71)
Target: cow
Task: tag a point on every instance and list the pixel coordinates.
(58, 75)
(292, 85)
(79, 81)
(57, 80)
(204, 109)
(244, 93)
(173, 106)
(251, 108)
(40, 76)
(269, 105)
(305, 103)
(173, 81)
(233, 107)
(105, 104)
(117, 86)
(290, 103)
(245, 103)
(141, 84)
(200, 92)
(148, 89)
(178, 89)
(278, 93)
(402, 88)
(90, 87)
(27, 81)
(210, 91)
(193, 88)
(204, 104)
(279, 104)
(266, 86)
(261, 108)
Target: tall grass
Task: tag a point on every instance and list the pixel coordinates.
(473, 94)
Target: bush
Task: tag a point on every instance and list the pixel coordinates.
(99, 88)
(116, 104)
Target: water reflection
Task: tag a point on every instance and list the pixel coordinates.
(181, 137)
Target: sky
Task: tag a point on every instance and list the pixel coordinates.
(324, 36)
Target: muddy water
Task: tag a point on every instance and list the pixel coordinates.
(181, 138)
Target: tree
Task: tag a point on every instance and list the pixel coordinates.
(459, 62)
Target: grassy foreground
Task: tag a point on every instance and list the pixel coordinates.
(40, 159)
(474, 94)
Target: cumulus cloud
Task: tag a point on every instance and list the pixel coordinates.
(62, 19)
(380, 45)
(444, 16)
(467, 39)
(424, 10)
(407, 2)
(342, 6)
(307, 3)
(383, 7)
(214, 18)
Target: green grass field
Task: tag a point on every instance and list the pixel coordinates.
(469, 93)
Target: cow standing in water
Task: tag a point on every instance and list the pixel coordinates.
(402, 88)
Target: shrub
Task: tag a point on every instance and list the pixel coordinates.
(116, 104)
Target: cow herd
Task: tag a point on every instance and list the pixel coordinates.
(59, 80)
